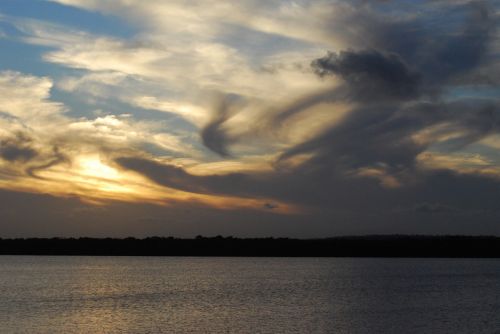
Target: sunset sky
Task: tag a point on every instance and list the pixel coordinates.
(249, 118)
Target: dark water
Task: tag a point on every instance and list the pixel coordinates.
(248, 295)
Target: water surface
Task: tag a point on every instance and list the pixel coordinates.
(43, 294)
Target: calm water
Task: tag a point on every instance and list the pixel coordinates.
(247, 295)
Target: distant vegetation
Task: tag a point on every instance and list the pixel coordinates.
(362, 246)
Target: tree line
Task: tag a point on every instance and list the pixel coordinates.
(354, 246)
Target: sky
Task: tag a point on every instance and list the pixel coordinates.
(249, 118)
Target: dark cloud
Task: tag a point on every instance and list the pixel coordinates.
(398, 87)
(213, 134)
(463, 49)
(270, 206)
(328, 188)
(281, 114)
(383, 135)
(17, 149)
(166, 175)
(440, 49)
(283, 185)
(397, 75)
(215, 137)
(370, 74)
(11, 152)
(345, 204)
(176, 177)
(53, 159)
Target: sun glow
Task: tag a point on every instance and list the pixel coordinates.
(93, 166)
(94, 180)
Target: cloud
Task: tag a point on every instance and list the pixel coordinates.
(303, 21)
(54, 159)
(394, 74)
(351, 203)
(399, 111)
(342, 110)
(397, 96)
(385, 134)
(232, 184)
(370, 74)
(270, 206)
(17, 148)
(26, 96)
(43, 149)
(213, 135)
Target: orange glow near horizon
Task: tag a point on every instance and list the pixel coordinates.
(94, 181)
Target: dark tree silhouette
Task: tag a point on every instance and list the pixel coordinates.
(355, 246)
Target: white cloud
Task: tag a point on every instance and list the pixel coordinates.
(308, 21)
(164, 72)
(27, 96)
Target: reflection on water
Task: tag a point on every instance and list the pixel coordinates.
(248, 295)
